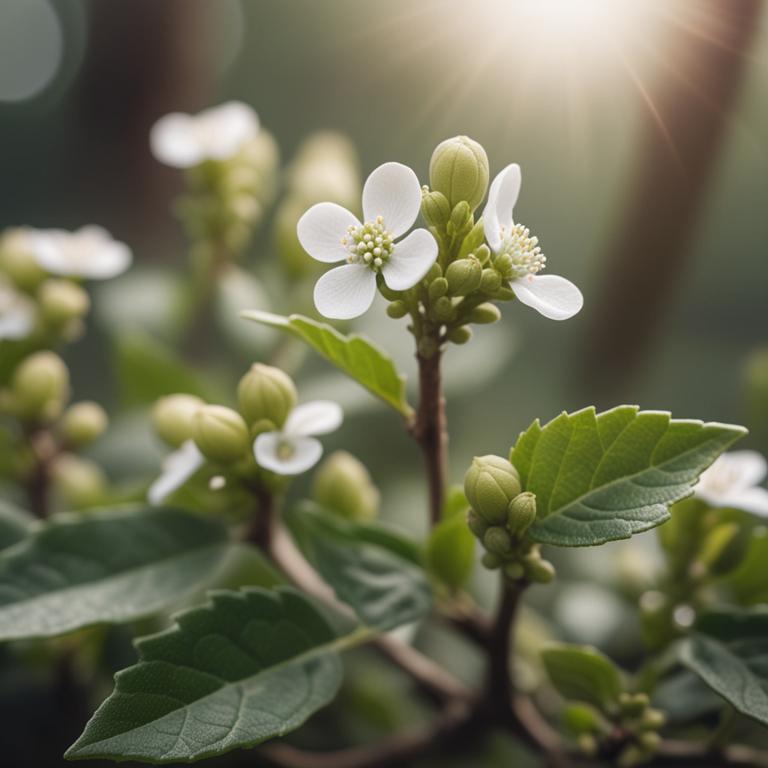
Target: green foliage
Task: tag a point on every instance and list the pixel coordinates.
(364, 564)
(15, 524)
(247, 667)
(450, 553)
(109, 567)
(602, 477)
(728, 651)
(354, 355)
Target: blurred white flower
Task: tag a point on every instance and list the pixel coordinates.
(734, 480)
(17, 313)
(330, 233)
(178, 467)
(90, 253)
(550, 295)
(218, 133)
(293, 449)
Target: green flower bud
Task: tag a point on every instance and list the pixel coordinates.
(438, 288)
(652, 720)
(41, 387)
(521, 513)
(173, 418)
(485, 314)
(435, 209)
(514, 571)
(220, 433)
(397, 309)
(491, 561)
(17, 259)
(633, 704)
(342, 484)
(443, 309)
(504, 265)
(483, 252)
(490, 281)
(460, 335)
(435, 271)
(266, 392)
(464, 276)
(490, 484)
(538, 570)
(83, 423)
(459, 169)
(62, 301)
(498, 541)
(460, 223)
(81, 482)
(476, 524)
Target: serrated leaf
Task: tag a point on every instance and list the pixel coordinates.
(247, 667)
(602, 477)
(729, 651)
(109, 567)
(15, 524)
(354, 355)
(582, 673)
(365, 570)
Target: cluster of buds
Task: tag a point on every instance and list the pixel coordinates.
(500, 516)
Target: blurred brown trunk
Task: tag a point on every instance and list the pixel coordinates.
(680, 144)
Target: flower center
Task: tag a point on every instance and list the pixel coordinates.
(522, 251)
(285, 450)
(370, 244)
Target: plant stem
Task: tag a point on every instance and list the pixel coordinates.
(499, 683)
(38, 483)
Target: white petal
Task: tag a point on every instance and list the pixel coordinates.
(345, 292)
(502, 197)
(550, 295)
(318, 417)
(410, 261)
(174, 141)
(393, 192)
(754, 500)
(17, 314)
(225, 129)
(737, 470)
(91, 253)
(269, 451)
(321, 229)
(178, 467)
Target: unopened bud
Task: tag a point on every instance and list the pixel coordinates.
(498, 541)
(443, 309)
(62, 301)
(464, 276)
(173, 418)
(514, 571)
(41, 387)
(460, 335)
(438, 288)
(80, 481)
(18, 260)
(539, 570)
(476, 524)
(459, 169)
(633, 704)
(83, 423)
(521, 513)
(490, 281)
(220, 433)
(342, 484)
(460, 223)
(652, 720)
(490, 484)
(397, 309)
(482, 252)
(491, 561)
(266, 392)
(485, 314)
(435, 209)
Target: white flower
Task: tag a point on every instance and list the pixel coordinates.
(17, 313)
(330, 233)
(292, 450)
(218, 133)
(178, 467)
(90, 252)
(734, 480)
(551, 295)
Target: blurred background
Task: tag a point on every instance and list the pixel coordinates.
(641, 127)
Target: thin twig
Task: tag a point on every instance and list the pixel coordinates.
(38, 483)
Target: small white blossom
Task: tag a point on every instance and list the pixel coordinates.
(293, 449)
(218, 133)
(550, 295)
(734, 480)
(178, 467)
(330, 233)
(17, 313)
(90, 253)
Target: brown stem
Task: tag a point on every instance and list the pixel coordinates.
(499, 684)
(38, 483)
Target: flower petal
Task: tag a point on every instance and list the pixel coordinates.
(393, 192)
(753, 500)
(739, 470)
(17, 313)
(269, 447)
(91, 252)
(174, 141)
(502, 197)
(550, 295)
(318, 417)
(178, 467)
(321, 229)
(345, 292)
(223, 130)
(410, 261)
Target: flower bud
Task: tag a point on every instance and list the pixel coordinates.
(483, 253)
(443, 309)
(41, 387)
(460, 223)
(435, 209)
(491, 561)
(504, 265)
(521, 513)
(633, 704)
(81, 482)
(438, 288)
(173, 418)
(266, 392)
(62, 301)
(464, 276)
(397, 309)
(485, 314)
(476, 524)
(498, 541)
(460, 335)
(342, 484)
(537, 569)
(490, 484)
(459, 169)
(220, 433)
(83, 423)
(490, 281)
(514, 571)
(17, 258)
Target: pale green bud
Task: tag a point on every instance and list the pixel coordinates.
(521, 513)
(476, 524)
(498, 541)
(482, 252)
(485, 314)
(505, 266)
(397, 309)
(342, 484)
(41, 387)
(460, 223)
(435, 271)
(62, 301)
(490, 281)
(173, 418)
(83, 423)
(266, 392)
(80, 481)
(652, 720)
(514, 571)
(633, 704)
(490, 484)
(438, 288)
(539, 570)
(443, 309)
(491, 561)
(460, 335)
(220, 433)
(464, 276)
(17, 258)
(459, 169)
(435, 209)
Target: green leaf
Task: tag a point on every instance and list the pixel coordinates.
(247, 667)
(729, 651)
(450, 554)
(15, 524)
(108, 567)
(582, 673)
(604, 477)
(364, 565)
(354, 354)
